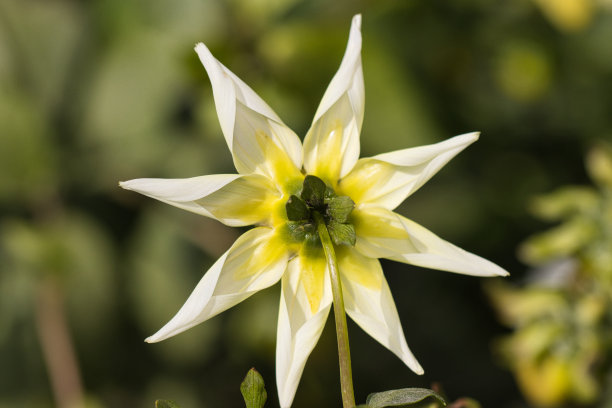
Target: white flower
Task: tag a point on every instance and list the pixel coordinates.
(271, 165)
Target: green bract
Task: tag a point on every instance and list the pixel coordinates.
(319, 198)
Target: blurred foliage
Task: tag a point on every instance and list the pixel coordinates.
(93, 92)
(561, 347)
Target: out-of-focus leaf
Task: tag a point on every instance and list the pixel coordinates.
(40, 66)
(77, 253)
(558, 242)
(545, 382)
(27, 154)
(564, 202)
(599, 165)
(532, 341)
(166, 404)
(260, 12)
(404, 397)
(518, 307)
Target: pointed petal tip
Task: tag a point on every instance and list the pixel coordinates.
(413, 364)
(356, 22)
(497, 271)
(470, 137)
(204, 54)
(155, 338)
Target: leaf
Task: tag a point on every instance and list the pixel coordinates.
(165, 404)
(253, 390)
(401, 398)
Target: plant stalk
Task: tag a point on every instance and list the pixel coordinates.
(344, 352)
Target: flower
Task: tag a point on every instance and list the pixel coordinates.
(274, 192)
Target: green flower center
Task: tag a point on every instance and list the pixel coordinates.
(317, 201)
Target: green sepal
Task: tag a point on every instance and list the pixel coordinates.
(329, 194)
(313, 191)
(301, 231)
(253, 390)
(166, 404)
(339, 208)
(404, 397)
(297, 209)
(341, 233)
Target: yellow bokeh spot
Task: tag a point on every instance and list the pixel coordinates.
(545, 383)
(524, 70)
(567, 15)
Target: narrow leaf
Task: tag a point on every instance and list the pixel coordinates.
(253, 390)
(165, 404)
(404, 397)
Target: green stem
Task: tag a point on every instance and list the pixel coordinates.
(344, 352)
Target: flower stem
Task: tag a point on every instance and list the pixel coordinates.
(344, 352)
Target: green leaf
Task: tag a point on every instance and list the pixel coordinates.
(253, 390)
(297, 209)
(341, 233)
(165, 404)
(339, 208)
(313, 191)
(401, 398)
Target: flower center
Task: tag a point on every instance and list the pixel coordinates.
(319, 203)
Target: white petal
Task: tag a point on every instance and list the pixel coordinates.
(368, 301)
(230, 198)
(253, 263)
(299, 328)
(331, 146)
(388, 179)
(384, 234)
(245, 118)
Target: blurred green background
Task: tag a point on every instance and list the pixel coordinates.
(94, 92)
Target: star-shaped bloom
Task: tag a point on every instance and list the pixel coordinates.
(269, 192)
